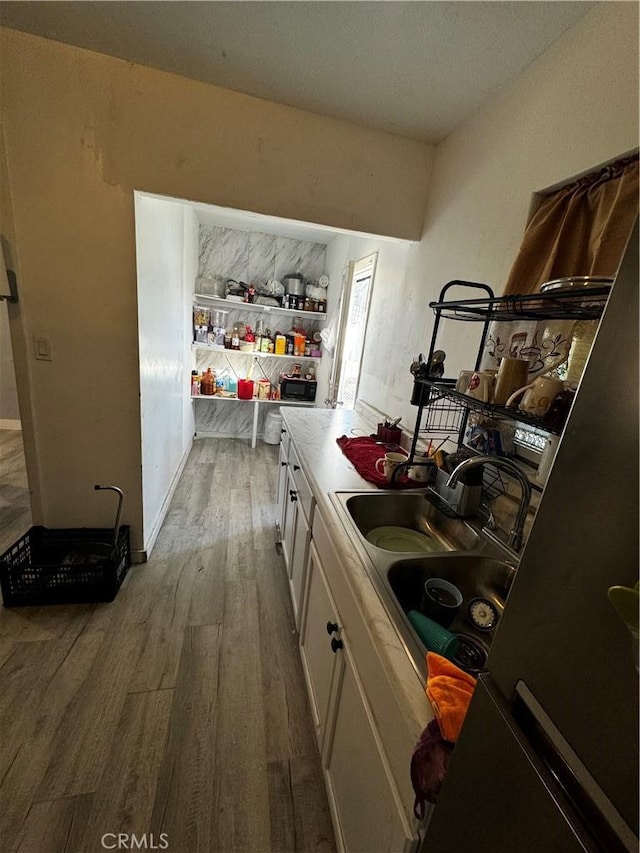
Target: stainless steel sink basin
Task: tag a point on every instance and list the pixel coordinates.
(480, 579)
(412, 511)
(476, 576)
(479, 566)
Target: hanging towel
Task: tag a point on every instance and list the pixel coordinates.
(429, 764)
(449, 690)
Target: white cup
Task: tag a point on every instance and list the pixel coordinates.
(538, 395)
(390, 462)
(481, 386)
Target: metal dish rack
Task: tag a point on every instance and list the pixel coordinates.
(444, 412)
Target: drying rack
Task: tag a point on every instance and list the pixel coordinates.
(444, 412)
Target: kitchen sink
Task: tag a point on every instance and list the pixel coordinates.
(458, 551)
(412, 511)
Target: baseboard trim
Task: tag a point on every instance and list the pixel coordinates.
(10, 423)
(153, 535)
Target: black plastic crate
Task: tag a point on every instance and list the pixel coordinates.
(41, 568)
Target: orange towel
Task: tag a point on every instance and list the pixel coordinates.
(449, 690)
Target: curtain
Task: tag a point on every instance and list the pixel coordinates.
(582, 229)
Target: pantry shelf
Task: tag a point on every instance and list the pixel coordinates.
(234, 352)
(231, 304)
(256, 408)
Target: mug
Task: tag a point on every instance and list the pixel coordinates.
(538, 395)
(441, 600)
(512, 373)
(463, 380)
(390, 462)
(481, 386)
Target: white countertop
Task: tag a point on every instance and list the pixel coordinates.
(314, 433)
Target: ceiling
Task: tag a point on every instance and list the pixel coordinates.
(416, 69)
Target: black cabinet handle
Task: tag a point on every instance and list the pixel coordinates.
(283, 464)
(336, 644)
(283, 430)
(332, 627)
(293, 496)
(296, 467)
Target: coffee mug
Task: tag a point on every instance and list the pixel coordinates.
(512, 373)
(463, 380)
(441, 601)
(538, 395)
(390, 462)
(481, 386)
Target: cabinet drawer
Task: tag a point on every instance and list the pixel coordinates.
(305, 496)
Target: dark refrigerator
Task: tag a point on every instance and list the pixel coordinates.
(548, 755)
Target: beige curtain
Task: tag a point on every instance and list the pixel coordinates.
(582, 229)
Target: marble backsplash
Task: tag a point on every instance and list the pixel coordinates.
(255, 257)
(216, 418)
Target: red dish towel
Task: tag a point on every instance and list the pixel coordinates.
(364, 451)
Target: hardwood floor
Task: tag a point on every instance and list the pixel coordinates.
(15, 509)
(180, 707)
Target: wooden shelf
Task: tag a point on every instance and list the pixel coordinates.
(234, 352)
(231, 305)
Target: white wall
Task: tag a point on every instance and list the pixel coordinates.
(575, 107)
(8, 392)
(167, 257)
(385, 346)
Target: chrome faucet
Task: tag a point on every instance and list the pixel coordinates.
(516, 534)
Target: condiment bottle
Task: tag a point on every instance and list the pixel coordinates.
(235, 337)
(208, 383)
(195, 383)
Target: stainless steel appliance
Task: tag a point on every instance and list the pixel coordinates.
(548, 755)
(294, 284)
(297, 388)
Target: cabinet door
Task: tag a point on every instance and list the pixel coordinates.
(282, 488)
(289, 522)
(318, 657)
(364, 800)
(299, 560)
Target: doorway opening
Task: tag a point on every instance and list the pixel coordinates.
(354, 314)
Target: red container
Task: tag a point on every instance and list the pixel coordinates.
(245, 389)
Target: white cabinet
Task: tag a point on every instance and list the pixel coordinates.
(299, 559)
(281, 492)
(319, 654)
(369, 811)
(290, 510)
(362, 795)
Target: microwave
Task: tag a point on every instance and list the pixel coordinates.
(296, 388)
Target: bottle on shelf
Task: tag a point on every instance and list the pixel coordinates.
(195, 383)
(235, 337)
(280, 344)
(208, 383)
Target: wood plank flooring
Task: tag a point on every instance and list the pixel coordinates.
(179, 708)
(15, 508)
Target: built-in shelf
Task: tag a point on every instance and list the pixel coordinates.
(257, 402)
(231, 304)
(212, 348)
(252, 400)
